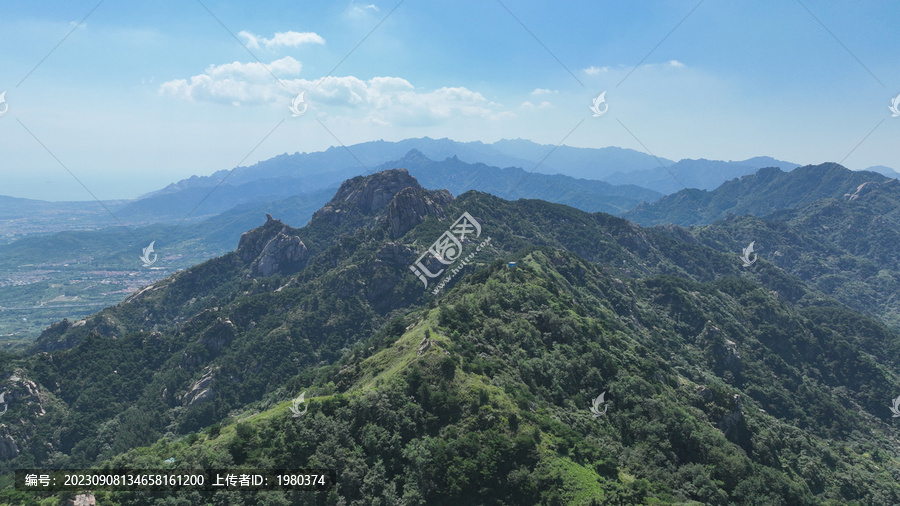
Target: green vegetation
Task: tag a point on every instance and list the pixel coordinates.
(723, 385)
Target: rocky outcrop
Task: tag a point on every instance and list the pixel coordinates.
(730, 355)
(635, 239)
(723, 351)
(392, 195)
(22, 392)
(424, 346)
(867, 188)
(410, 206)
(273, 247)
(85, 499)
(218, 335)
(395, 253)
(366, 193)
(732, 420)
(201, 391)
(8, 447)
(57, 337)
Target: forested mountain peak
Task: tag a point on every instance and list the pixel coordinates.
(710, 381)
(371, 193)
(390, 196)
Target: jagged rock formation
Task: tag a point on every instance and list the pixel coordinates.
(8, 448)
(273, 247)
(21, 391)
(367, 193)
(407, 202)
(423, 346)
(201, 391)
(219, 335)
(733, 419)
(410, 206)
(866, 188)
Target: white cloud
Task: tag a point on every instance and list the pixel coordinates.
(543, 91)
(528, 105)
(360, 10)
(234, 83)
(592, 70)
(290, 39)
(380, 100)
(395, 101)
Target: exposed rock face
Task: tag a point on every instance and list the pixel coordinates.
(410, 206)
(731, 356)
(85, 499)
(395, 253)
(423, 346)
(8, 448)
(21, 391)
(391, 195)
(273, 247)
(636, 239)
(731, 420)
(218, 335)
(866, 188)
(57, 337)
(201, 391)
(368, 193)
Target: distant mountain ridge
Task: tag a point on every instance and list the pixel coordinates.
(845, 245)
(364, 157)
(769, 189)
(513, 183)
(883, 170)
(702, 174)
(285, 175)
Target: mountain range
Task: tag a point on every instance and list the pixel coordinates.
(614, 364)
(49, 276)
(700, 174)
(765, 191)
(288, 174)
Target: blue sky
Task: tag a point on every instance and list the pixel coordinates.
(143, 94)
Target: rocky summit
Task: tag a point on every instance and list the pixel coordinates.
(273, 247)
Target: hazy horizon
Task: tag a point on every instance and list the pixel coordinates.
(116, 101)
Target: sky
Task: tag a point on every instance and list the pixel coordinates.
(112, 99)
